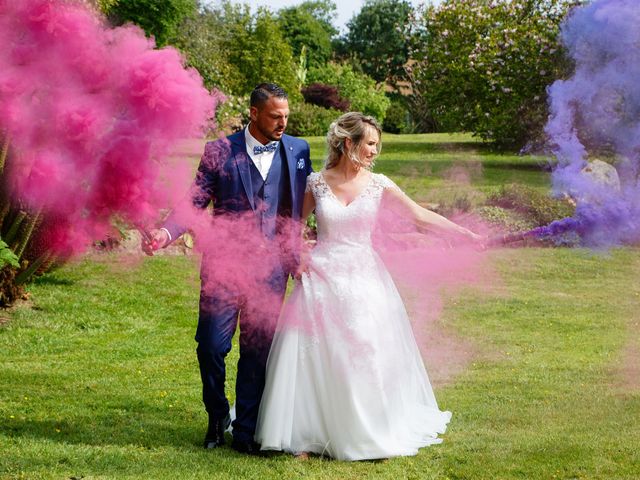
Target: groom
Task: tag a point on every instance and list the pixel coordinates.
(258, 174)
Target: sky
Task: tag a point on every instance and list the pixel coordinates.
(345, 10)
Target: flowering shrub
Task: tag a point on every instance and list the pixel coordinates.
(483, 66)
(233, 113)
(306, 120)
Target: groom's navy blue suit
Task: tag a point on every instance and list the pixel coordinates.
(228, 177)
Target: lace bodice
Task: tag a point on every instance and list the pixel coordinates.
(350, 224)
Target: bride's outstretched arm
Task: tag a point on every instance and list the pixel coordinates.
(401, 204)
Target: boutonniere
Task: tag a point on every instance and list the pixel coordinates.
(300, 164)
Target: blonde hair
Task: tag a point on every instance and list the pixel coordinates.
(351, 125)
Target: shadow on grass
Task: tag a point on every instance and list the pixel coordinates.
(53, 280)
(441, 147)
(417, 168)
(132, 422)
(526, 165)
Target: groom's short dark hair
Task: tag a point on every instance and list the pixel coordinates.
(265, 91)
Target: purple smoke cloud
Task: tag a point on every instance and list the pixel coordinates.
(598, 109)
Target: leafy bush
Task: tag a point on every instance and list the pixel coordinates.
(360, 89)
(536, 208)
(325, 96)
(7, 257)
(310, 120)
(484, 66)
(398, 118)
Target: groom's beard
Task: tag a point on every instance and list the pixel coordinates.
(273, 135)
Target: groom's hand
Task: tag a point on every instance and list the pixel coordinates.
(154, 240)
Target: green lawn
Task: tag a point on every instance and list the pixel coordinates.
(99, 376)
(436, 167)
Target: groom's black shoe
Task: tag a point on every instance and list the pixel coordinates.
(249, 448)
(215, 433)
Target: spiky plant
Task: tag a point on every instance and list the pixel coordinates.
(23, 251)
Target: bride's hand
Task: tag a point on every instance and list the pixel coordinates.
(467, 236)
(479, 241)
(303, 266)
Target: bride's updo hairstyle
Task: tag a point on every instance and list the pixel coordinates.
(352, 125)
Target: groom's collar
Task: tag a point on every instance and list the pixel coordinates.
(238, 139)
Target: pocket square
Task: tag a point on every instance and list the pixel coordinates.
(300, 164)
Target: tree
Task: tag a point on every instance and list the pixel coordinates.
(202, 38)
(309, 25)
(378, 38)
(258, 51)
(158, 18)
(234, 50)
(483, 66)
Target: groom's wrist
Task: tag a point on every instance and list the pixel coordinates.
(169, 239)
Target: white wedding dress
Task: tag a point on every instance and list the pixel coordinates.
(345, 377)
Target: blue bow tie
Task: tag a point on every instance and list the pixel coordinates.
(270, 147)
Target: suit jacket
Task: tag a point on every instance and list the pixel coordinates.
(224, 178)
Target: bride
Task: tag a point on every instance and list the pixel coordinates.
(344, 376)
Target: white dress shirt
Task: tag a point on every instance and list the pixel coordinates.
(263, 160)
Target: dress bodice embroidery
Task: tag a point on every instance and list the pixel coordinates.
(352, 224)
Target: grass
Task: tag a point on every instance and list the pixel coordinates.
(99, 377)
(436, 167)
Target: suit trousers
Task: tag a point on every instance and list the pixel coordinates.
(257, 311)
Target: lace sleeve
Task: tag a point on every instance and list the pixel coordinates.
(386, 183)
(312, 183)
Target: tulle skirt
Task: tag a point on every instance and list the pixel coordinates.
(345, 377)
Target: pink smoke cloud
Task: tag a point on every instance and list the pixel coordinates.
(93, 115)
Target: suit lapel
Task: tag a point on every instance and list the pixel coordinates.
(239, 151)
(292, 163)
